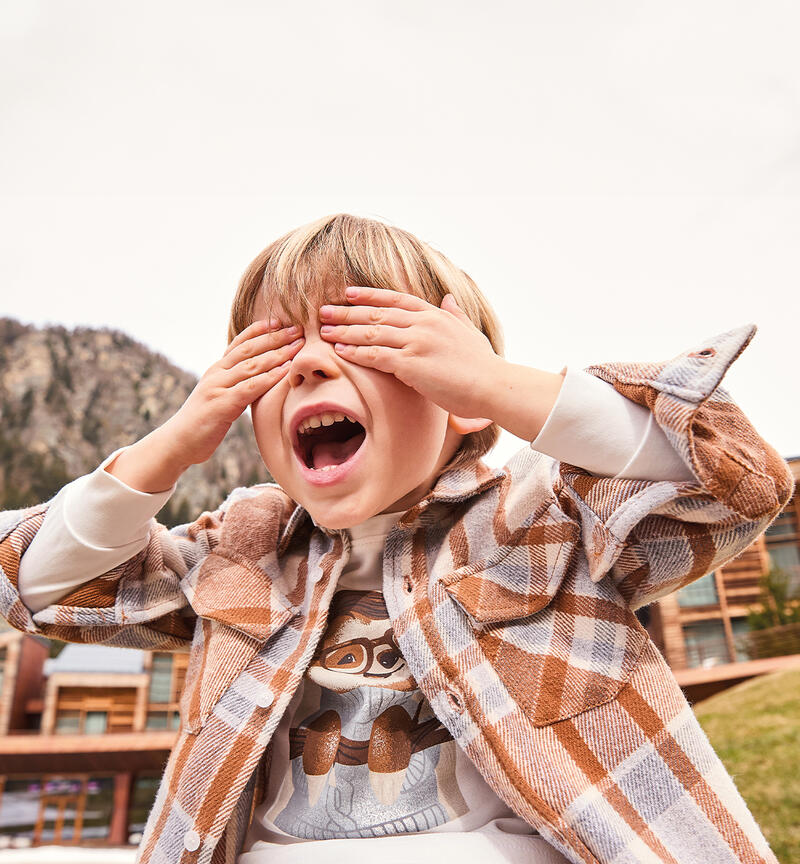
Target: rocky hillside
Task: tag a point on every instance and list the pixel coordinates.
(68, 398)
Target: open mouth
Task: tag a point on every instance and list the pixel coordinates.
(323, 448)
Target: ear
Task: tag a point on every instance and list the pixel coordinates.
(465, 425)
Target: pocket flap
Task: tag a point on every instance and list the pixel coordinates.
(524, 573)
(235, 591)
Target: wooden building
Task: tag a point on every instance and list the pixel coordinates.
(84, 738)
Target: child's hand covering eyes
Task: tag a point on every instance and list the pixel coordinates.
(254, 362)
(437, 351)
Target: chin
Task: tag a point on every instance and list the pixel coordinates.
(336, 518)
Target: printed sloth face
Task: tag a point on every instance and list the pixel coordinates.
(359, 648)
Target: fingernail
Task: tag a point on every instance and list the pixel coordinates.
(325, 311)
(274, 323)
(351, 291)
(326, 328)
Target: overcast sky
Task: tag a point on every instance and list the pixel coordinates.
(622, 179)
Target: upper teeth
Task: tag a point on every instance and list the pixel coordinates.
(326, 419)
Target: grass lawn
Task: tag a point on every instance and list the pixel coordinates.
(755, 729)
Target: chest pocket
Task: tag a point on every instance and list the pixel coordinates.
(560, 642)
(239, 610)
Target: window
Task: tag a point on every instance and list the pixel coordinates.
(55, 808)
(98, 808)
(143, 796)
(702, 592)
(786, 523)
(705, 644)
(68, 723)
(787, 557)
(156, 719)
(19, 808)
(161, 678)
(95, 722)
(163, 720)
(783, 545)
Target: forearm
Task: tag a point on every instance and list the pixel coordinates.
(152, 464)
(521, 398)
(593, 426)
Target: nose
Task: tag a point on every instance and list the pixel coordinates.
(317, 359)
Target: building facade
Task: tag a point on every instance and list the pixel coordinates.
(84, 738)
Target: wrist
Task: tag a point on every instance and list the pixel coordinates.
(521, 398)
(150, 465)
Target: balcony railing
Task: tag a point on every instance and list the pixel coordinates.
(772, 642)
(753, 645)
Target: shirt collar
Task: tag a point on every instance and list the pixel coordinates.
(453, 485)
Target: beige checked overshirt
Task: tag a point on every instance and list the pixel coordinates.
(511, 593)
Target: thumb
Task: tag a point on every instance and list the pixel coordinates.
(449, 304)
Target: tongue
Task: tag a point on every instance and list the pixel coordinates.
(334, 452)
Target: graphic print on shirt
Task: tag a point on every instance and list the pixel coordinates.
(370, 758)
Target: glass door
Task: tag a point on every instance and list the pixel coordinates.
(60, 811)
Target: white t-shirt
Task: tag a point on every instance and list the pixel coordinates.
(360, 754)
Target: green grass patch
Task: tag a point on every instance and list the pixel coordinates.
(755, 729)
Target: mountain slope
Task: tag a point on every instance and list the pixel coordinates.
(68, 398)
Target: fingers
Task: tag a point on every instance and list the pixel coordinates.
(255, 386)
(365, 334)
(374, 356)
(380, 297)
(256, 328)
(257, 343)
(450, 304)
(395, 316)
(262, 362)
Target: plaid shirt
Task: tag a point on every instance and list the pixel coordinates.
(511, 593)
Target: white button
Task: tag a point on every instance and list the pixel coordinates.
(191, 841)
(264, 699)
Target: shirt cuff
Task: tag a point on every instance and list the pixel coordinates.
(595, 427)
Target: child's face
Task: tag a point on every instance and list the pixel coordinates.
(407, 439)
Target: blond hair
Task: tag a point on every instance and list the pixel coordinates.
(313, 264)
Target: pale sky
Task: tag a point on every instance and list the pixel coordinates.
(622, 179)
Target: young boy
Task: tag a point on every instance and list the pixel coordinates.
(396, 650)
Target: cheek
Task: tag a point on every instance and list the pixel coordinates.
(265, 413)
(418, 426)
